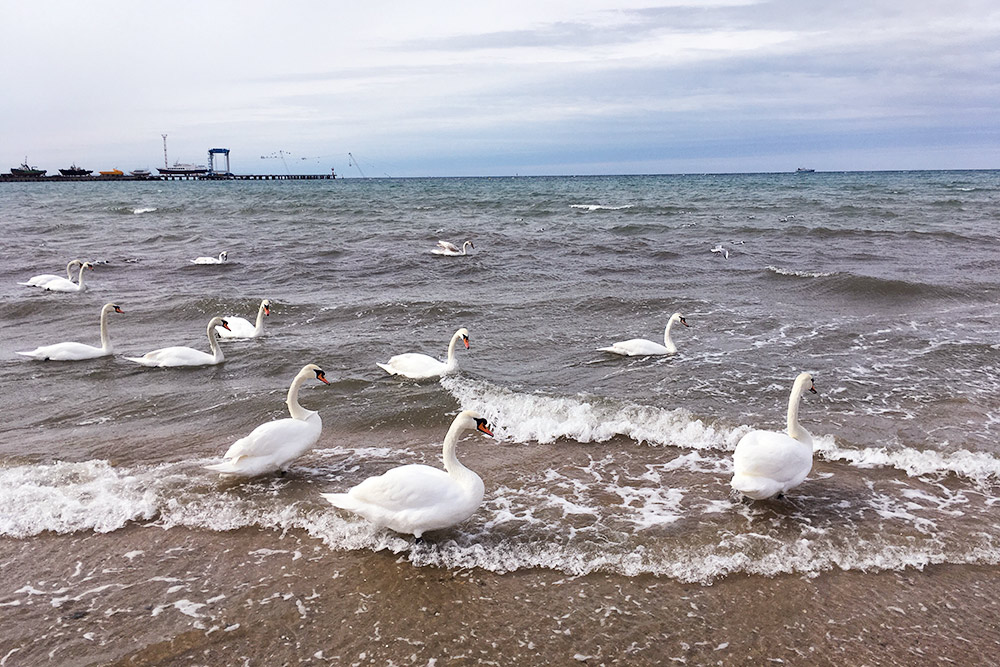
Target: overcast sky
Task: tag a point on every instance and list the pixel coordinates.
(495, 88)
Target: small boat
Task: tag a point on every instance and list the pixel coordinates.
(140, 173)
(112, 172)
(74, 170)
(181, 168)
(803, 170)
(25, 170)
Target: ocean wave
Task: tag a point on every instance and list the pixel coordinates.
(600, 207)
(799, 274)
(979, 467)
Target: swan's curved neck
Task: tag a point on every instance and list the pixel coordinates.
(213, 342)
(259, 329)
(69, 269)
(294, 409)
(667, 342)
(794, 429)
(465, 247)
(79, 280)
(105, 338)
(454, 467)
(451, 349)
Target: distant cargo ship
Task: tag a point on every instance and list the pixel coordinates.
(112, 172)
(74, 170)
(803, 170)
(180, 169)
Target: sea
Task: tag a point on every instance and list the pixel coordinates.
(608, 533)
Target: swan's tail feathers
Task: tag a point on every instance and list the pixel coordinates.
(341, 500)
(227, 467)
(387, 368)
(27, 354)
(612, 350)
(758, 488)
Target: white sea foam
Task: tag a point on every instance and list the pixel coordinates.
(800, 274)
(599, 207)
(980, 467)
(537, 418)
(138, 211)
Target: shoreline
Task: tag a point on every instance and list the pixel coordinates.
(269, 598)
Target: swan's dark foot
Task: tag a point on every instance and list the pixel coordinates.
(418, 540)
(780, 496)
(281, 473)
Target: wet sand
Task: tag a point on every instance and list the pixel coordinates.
(145, 596)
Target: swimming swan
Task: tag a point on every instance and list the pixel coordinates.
(221, 259)
(277, 443)
(418, 366)
(240, 327)
(450, 249)
(40, 280)
(416, 498)
(767, 463)
(638, 347)
(186, 356)
(78, 351)
(60, 284)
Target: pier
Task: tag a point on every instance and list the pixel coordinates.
(10, 178)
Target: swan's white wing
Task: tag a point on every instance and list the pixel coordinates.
(59, 284)
(448, 246)
(414, 365)
(767, 462)
(39, 280)
(66, 352)
(408, 487)
(636, 347)
(276, 437)
(175, 356)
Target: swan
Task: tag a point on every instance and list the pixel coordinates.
(240, 327)
(78, 351)
(416, 498)
(418, 366)
(42, 279)
(450, 249)
(60, 284)
(221, 259)
(187, 356)
(277, 443)
(768, 463)
(637, 347)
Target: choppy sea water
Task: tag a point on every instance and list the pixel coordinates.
(884, 286)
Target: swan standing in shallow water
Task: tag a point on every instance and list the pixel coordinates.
(221, 259)
(450, 249)
(187, 356)
(638, 347)
(418, 366)
(78, 351)
(60, 284)
(415, 498)
(240, 327)
(768, 463)
(274, 445)
(42, 279)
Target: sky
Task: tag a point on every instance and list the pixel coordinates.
(489, 88)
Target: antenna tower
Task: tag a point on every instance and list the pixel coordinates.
(165, 151)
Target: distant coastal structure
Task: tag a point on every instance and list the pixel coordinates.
(218, 169)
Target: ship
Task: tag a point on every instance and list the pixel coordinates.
(140, 173)
(74, 170)
(25, 170)
(181, 168)
(804, 170)
(112, 172)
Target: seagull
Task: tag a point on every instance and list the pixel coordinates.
(722, 251)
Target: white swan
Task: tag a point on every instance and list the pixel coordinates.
(446, 248)
(240, 327)
(187, 356)
(41, 279)
(415, 498)
(78, 351)
(638, 347)
(768, 463)
(418, 366)
(274, 445)
(221, 259)
(60, 284)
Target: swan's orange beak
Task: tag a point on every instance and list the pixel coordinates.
(685, 322)
(812, 388)
(267, 310)
(465, 339)
(482, 426)
(119, 310)
(225, 325)
(321, 376)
